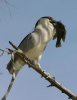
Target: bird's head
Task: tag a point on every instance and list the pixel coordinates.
(50, 23)
(45, 22)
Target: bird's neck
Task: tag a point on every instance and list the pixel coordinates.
(46, 30)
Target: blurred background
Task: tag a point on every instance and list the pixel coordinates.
(17, 19)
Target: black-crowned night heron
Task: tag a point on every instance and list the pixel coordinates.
(35, 42)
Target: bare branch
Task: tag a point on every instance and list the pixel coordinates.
(8, 90)
(74, 98)
(47, 76)
(3, 51)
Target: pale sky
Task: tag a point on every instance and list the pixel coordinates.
(17, 20)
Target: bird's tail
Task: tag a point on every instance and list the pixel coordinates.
(15, 66)
(10, 67)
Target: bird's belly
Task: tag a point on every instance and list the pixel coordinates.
(35, 52)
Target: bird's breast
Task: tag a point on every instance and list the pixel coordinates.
(36, 51)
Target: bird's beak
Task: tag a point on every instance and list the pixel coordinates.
(54, 22)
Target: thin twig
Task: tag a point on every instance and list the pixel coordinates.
(4, 51)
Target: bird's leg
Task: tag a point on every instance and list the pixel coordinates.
(37, 61)
(37, 64)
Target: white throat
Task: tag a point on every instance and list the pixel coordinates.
(47, 31)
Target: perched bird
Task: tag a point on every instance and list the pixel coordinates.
(33, 45)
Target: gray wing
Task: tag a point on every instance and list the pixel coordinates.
(30, 41)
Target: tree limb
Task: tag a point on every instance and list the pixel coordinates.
(44, 74)
(8, 90)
